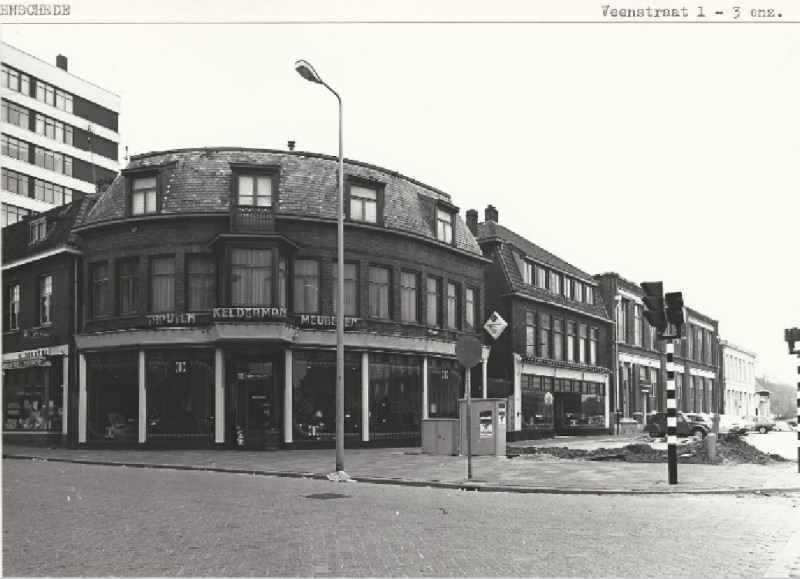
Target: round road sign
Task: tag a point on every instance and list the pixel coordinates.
(469, 351)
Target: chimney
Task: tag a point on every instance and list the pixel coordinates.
(491, 213)
(290, 144)
(61, 62)
(472, 221)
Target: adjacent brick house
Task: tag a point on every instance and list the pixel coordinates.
(209, 302)
(41, 268)
(640, 359)
(553, 361)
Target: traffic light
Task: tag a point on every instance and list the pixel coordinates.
(792, 337)
(654, 312)
(675, 311)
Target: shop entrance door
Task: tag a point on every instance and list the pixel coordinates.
(256, 404)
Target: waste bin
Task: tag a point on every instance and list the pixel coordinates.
(488, 428)
(440, 436)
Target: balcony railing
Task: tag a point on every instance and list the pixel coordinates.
(252, 219)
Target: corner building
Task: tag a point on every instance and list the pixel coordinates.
(209, 291)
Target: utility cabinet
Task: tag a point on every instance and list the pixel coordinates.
(440, 436)
(488, 427)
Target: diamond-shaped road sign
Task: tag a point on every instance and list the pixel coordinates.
(495, 325)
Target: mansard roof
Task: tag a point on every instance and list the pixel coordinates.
(198, 181)
(17, 244)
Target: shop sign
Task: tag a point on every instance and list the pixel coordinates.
(29, 359)
(248, 313)
(495, 325)
(248, 376)
(326, 321)
(170, 319)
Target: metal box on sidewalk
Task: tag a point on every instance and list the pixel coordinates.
(488, 428)
(440, 436)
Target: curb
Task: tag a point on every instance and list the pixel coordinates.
(462, 486)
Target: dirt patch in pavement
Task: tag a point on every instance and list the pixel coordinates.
(731, 449)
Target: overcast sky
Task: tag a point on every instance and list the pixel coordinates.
(661, 151)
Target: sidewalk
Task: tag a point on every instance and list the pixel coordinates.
(408, 466)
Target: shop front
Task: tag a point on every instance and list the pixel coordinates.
(34, 396)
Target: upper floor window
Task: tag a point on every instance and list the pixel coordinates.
(15, 148)
(350, 289)
(589, 295)
(471, 310)
(144, 195)
(570, 341)
(541, 277)
(379, 292)
(38, 230)
(453, 305)
(99, 275)
(306, 286)
(200, 282)
(53, 161)
(53, 129)
(254, 190)
(444, 225)
(14, 182)
(251, 277)
(162, 284)
(53, 96)
(15, 114)
(544, 335)
(409, 297)
(593, 334)
(622, 321)
(558, 339)
(51, 193)
(582, 328)
(15, 80)
(45, 299)
(568, 284)
(12, 301)
(434, 306)
(128, 286)
(637, 325)
(530, 332)
(364, 203)
(11, 213)
(527, 272)
(555, 282)
(578, 291)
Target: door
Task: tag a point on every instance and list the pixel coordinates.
(256, 404)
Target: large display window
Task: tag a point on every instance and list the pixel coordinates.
(33, 399)
(112, 390)
(445, 387)
(314, 394)
(537, 404)
(180, 394)
(395, 395)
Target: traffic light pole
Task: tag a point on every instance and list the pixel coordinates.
(672, 416)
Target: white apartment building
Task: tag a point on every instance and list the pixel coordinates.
(739, 380)
(60, 135)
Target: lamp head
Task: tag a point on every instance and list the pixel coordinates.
(307, 71)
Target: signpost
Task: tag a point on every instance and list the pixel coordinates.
(469, 352)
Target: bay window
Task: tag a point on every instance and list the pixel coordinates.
(251, 277)
(162, 284)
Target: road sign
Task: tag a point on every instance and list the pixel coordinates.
(469, 351)
(495, 325)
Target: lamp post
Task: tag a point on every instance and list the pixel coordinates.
(307, 71)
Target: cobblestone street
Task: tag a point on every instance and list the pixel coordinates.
(72, 519)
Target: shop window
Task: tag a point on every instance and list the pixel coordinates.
(409, 296)
(379, 292)
(200, 282)
(162, 284)
(12, 307)
(45, 283)
(395, 396)
(537, 404)
(444, 225)
(251, 277)
(445, 387)
(350, 289)
(112, 391)
(128, 286)
(314, 395)
(306, 286)
(578, 404)
(33, 399)
(453, 306)
(472, 310)
(180, 395)
(98, 273)
(434, 305)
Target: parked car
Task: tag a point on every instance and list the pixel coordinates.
(688, 425)
(729, 423)
(760, 424)
(785, 426)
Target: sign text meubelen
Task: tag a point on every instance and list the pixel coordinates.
(248, 313)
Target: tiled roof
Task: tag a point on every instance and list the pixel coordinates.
(16, 237)
(199, 181)
(511, 243)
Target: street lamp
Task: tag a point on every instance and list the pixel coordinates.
(307, 71)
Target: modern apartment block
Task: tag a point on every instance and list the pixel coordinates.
(60, 135)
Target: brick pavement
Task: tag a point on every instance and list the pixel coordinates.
(409, 466)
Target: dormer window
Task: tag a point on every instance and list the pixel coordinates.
(254, 196)
(38, 230)
(364, 202)
(254, 190)
(144, 195)
(444, 225)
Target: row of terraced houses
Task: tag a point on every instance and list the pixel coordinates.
(191, 302)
